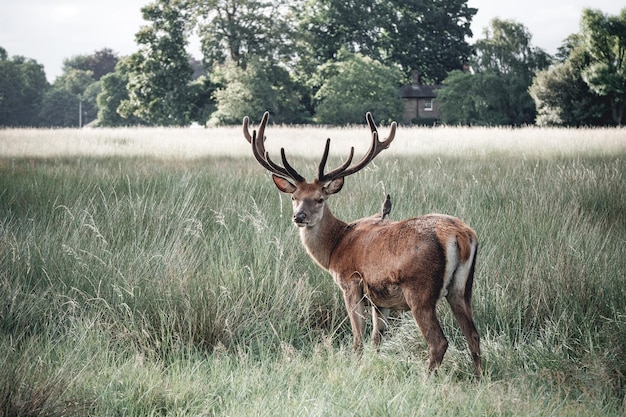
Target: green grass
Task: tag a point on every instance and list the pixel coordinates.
(143, 286)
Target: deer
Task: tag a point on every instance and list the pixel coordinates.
(376, 262)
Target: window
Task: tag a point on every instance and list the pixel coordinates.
(428, 104)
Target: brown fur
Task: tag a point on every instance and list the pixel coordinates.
(396, 266)
(389, 265)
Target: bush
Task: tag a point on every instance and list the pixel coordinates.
(253, 90)
(357, 84)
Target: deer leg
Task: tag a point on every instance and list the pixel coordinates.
(379, 322)
(463, 313)
(428, 323)
(353, 298)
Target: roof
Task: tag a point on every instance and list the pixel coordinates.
(419, 91)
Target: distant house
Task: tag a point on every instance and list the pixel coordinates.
(420, 104)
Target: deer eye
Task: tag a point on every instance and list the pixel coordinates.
(320, 201)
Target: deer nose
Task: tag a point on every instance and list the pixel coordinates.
(299, 217)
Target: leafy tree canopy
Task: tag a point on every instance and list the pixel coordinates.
(564, 99)
(236, 30)
(324, 27)
(71, 100)
(506, 49)
(99, 63)
(604, 40)
(429, 35)
(159, 73)
(356, 84)
(261, 86)
(59, 109)
(480, 99)
(497, 94)
(112, 94)
(22, 86)
(587, 87)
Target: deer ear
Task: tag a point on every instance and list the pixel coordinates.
(334, 186)
(283, 185)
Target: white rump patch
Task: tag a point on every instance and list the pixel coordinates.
(456, 274)
(452, 261)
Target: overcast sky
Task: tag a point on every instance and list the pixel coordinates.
(51, 30)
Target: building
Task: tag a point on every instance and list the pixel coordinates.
(420, 104)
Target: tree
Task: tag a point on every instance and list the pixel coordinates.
(324, 27)
(160, 73)
(261, 86)
(235, 30)
(72, 99)
(584, 88)
(569, 45)
(474, 99)
(59, 108)
(99, 63)
(506, 48)
(355, 85)
(112, 94)
(497, 93)
(427, 35)
(66, 98)
(561, 95)
(22, 87)
(605, 41)
(456, 99)
(564, 99)
(203, 101)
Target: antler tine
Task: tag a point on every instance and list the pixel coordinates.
(322, 165)
(392, 133)
(375, 148)
(263, 159)
(321, 176)
(292, 172)
(260, 144)
(286, 172)
(246, 132)
(335, 173)
(258, 150)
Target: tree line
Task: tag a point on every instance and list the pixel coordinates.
(328, 62)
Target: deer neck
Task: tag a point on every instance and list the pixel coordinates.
(320, 240)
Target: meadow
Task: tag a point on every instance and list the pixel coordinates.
(156, 272)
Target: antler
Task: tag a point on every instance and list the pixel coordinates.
(375, 148)
(288, 172)
(261, 155)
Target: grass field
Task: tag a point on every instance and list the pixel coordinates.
(154, 272)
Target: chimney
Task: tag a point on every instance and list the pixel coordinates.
(415, 77)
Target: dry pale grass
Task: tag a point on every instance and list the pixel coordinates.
(307, 141)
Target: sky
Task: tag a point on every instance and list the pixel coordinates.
(50, 31)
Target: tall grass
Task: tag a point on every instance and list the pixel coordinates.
(170, 286)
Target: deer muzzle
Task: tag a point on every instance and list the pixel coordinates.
(300, 219)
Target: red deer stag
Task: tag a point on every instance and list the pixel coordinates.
(392, 265)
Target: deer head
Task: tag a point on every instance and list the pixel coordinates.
(309, 198)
